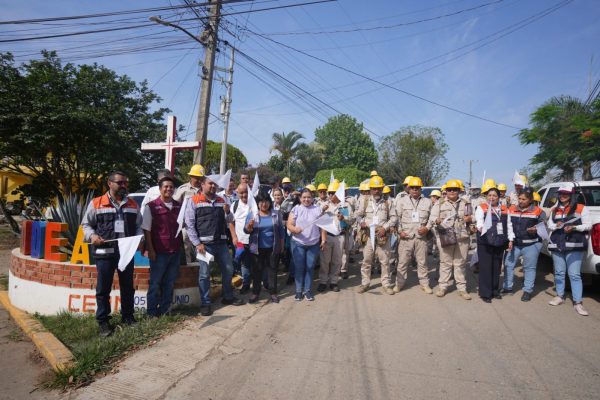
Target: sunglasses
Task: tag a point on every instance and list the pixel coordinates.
(452, 190)
(121, 183)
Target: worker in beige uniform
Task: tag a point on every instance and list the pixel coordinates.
(333, 249)
(322, 190)
(520, 183)
(452, 219)
(186, 191)
(387, 196)
(348, 236)
(432, 243)
(412, 213)
(503, 201)
(375, 215)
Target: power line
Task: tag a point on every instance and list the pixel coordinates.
(386, 26)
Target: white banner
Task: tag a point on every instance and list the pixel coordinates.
(221, 180)
(341, 194)
(127, 249)
(328, 223)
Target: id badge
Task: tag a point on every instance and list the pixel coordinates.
(499, 228)
(415, 216)
(119, 226)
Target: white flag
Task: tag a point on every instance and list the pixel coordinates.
(483, 180)
(255, 184)
(206, 257)
(327, 222)
(331, 178)
(181, 216)
(372, 235)
(487, 222)
(222, 181)
(341, 194)
(127, 248)
(542, 231)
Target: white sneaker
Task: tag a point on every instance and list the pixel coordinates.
(556, 301)
(580, 310)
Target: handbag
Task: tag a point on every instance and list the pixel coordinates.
(447, 236)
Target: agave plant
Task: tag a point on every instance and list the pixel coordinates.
(70, 210)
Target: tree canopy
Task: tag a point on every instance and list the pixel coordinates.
(567, 132)
(346, 144)
(413, 150)
(67, 126)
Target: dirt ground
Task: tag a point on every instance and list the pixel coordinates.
(23, 368)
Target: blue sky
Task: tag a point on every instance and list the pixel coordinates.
(504, 80)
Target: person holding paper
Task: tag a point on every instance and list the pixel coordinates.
(333, 250)
(452, 218)
(207, 218)
(107, 218)
(163, 244)
(305, 242)
(523, 219)
(413, 212)
(376, 220)
(266, 237)
(492, 240)
(568, 224)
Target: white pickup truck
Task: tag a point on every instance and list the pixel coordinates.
(589, 195)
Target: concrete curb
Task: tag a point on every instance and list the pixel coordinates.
(57, 354)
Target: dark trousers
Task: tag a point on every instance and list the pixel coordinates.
(261, 263)
(490, 264)
(106, 271)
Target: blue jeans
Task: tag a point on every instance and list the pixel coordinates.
(305, 258)
(568, 262)
(222, 257)
(163, 274)
(530, 257)
(106, 271)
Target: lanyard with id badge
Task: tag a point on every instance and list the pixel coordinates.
(499, 226)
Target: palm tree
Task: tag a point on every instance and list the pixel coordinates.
(287, 145)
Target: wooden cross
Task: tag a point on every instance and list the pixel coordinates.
(170, 146)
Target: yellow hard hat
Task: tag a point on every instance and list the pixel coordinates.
(444, 187)
(436, 193)
(487, 186)
(311, 187)
(286, 180)
(536, 196)
(196, 170)
(336, 181)
(489, 182)
(322, 186)
(386, 190)
(363, 187)
(524, 179)
(374, 173)
(415, 181)
(333, 186)
(375, 182)
(452, 184)
(462, 185)
(407, 179)
(502, 186)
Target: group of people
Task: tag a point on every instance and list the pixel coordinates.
(253, 231)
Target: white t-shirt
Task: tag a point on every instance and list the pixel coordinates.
(152, 194)
(240, 221)
(147, 216)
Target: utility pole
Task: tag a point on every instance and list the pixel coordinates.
(209, 37)
(225, 112)
(471, 171)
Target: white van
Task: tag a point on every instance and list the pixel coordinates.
(589, 195)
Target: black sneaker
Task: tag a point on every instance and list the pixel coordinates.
(335, 288)
(206, 310)
(129, 321)
(498, 296)
(234, 301)
(322, 287)
(506, 291)
(486, 299)
(299, 296)
(526, 296)
(245, 289)
(309, 296)
(105, 329)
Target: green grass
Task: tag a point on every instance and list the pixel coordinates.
(94, 354)
(3, 282)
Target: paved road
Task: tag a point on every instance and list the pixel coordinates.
(410, 345)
